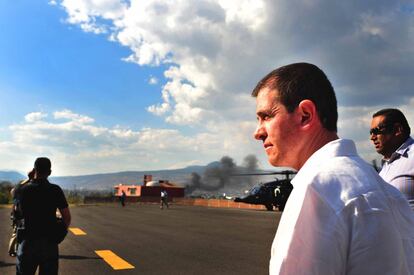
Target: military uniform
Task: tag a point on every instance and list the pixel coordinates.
(39, 202)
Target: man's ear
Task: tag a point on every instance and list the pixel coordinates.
(398, 129)
(307, 112)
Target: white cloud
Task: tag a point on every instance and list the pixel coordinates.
(153, 81)
(78, 145)
(90, 14)
(67, 114)
(35, 116)
(224, 47)
(215, 51)
(159, 109)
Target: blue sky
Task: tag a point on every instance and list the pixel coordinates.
(105, 86)
(54, 65)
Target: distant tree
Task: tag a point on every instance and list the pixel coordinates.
(5, 188)
(74, 196)
(78, 196)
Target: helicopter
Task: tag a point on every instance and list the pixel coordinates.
(270, 194)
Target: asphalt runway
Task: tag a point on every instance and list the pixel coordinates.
(181, 240)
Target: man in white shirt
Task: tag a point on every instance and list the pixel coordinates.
(164, 199)
(341, 217)
(390, 134)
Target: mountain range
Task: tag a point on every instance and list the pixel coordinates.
(214, 178)
(11, 176)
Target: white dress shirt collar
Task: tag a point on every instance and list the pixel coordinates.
(338, 147)
(401, 151)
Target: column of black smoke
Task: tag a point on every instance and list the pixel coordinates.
(218, 177)
(195, 183)
(251, 163)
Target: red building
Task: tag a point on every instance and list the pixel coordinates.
(150, 188)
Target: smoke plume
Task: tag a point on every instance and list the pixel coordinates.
(220, 176)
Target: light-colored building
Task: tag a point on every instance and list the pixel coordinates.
(150, 188)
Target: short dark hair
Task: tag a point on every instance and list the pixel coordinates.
(392, 116)
(300, 81)
(43, 165)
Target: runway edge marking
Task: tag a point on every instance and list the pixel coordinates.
(114, 260)
(77, 231)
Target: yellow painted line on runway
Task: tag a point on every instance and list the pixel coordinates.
(113, 260)
(77, 231)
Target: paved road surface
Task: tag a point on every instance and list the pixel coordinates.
(180, 240)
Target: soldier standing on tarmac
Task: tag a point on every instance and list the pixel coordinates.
(38, 245)
(122, 198)
(164, 199)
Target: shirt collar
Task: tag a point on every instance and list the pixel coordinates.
(335, 148)
(401, 151)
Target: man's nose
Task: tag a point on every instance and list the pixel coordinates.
(260, 133)
(373, 136)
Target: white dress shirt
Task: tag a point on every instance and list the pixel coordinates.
(399, 170)
(342, 218)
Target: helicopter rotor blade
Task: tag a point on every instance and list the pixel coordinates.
(285, 172)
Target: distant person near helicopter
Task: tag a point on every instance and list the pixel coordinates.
(164, 199)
